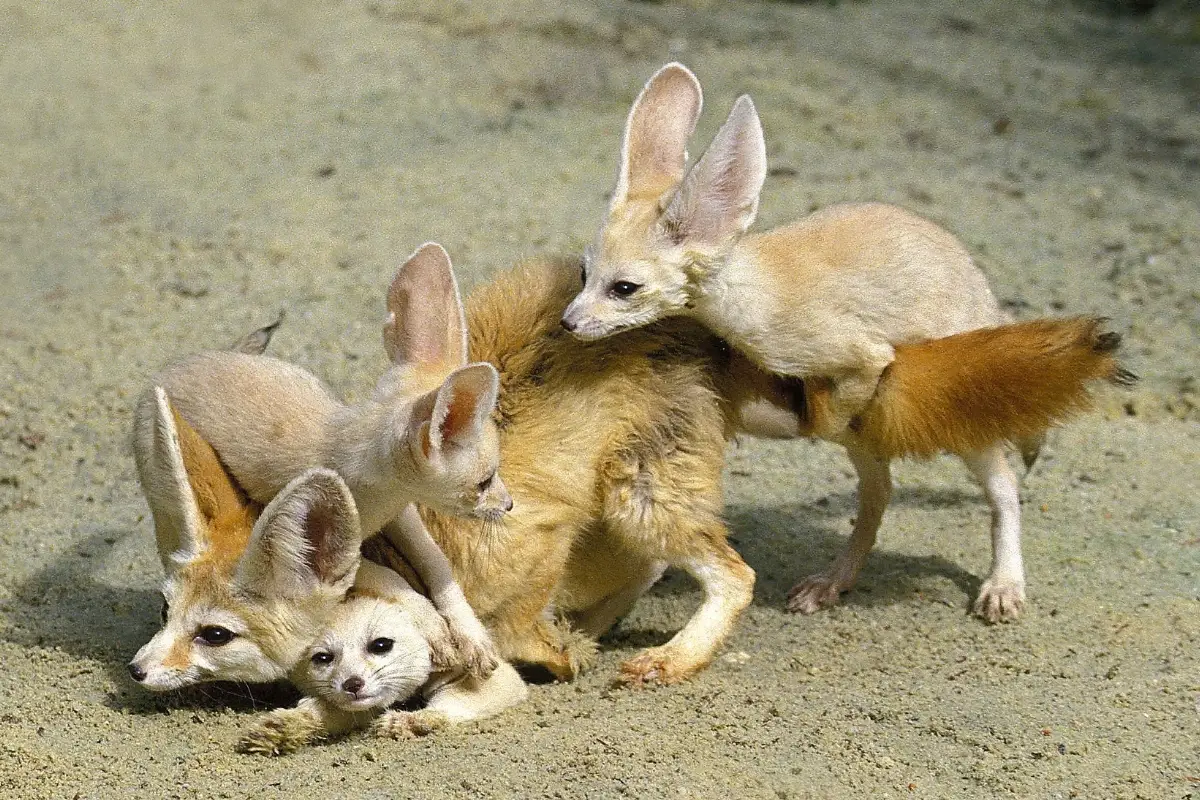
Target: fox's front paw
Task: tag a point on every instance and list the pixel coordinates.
(474, 649)
(657, 665)
(1000, 600)
(408, 724)
(280, 733)
(815, 592)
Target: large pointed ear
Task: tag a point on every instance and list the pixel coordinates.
(177, 527)
(306, 538)
(719, 197)
(654, 151)
(425, 323)
(463, 404)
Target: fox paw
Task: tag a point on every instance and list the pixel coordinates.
(278, 734)
(814, 593)
(474, 650)
(409, 724)
(580, 651)
(1000, 600)
(656, 665)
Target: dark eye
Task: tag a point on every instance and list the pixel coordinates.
(215, 635)
(583, 274)
(165, 612)
(321, 658)
(486, 483)
(380, 646)
(625, 288)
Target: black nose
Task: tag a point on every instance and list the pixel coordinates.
(352, 685)
(508, 506)
(137, 673)
(570, 326)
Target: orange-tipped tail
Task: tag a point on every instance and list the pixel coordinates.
(1011, 383)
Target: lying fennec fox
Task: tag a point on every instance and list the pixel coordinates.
(425, 434)
(254, 594)
(370, 657)
(836, 299)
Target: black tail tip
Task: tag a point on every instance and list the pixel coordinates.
(1107, 342)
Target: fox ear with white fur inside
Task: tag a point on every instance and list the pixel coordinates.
(426, 324)
(462, 406)
(307, 537)
(719, 197)
(662, 119)
(177, 525)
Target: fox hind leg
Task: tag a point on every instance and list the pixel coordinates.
(1002, 596)
(874, 491)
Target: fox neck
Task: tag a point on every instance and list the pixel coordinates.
(368, 447)
(731, 298)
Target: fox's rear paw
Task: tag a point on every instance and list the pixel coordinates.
(280, 733)
(1000, 600)
(408, 724)
(814, 593)
(657, 665)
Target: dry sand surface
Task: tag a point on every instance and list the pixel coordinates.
(172, 174)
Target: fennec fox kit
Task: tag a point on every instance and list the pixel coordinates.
(425, 434)
(371, 657)
(834, 299)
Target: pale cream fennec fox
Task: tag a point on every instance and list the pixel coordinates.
(832, 299)
(424, 435)
(372, 656)
(253, 594)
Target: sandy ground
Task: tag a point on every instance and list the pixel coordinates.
(172, 174)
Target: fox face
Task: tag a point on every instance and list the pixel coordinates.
(245, 591)
(455, 446)
(370, 656)
(447, 450)
(668, 228)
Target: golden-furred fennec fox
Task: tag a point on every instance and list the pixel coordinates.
(425, 434)
(852, 299)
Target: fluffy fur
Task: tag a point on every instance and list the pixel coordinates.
(613, 453)
(840, 301)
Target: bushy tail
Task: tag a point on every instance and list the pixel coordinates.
(1009, 383)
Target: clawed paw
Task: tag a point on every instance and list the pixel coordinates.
(475, 653)
(275, 736)
(655, 666)
(1000, 600)
(814, 593)
(408, 724)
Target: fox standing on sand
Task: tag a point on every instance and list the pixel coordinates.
(883, 314)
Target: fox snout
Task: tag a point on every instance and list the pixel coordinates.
(579, 319)
(495, 501)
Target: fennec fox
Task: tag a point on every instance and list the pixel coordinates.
(249, 590)
(835, 299)
(425, 434)
(613, 453)
(371, 657)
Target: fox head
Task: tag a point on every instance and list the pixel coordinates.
(447, 447)
(370, 656)
(668, 227)
(245, 592)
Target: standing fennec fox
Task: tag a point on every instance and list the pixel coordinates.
(841, 299)
(425, 434)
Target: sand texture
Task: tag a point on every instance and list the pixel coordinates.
(172, 174)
